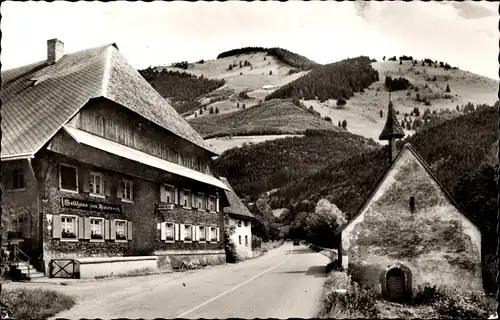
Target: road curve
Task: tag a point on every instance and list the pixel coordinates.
(284, 283)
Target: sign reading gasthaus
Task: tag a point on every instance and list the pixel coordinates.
(90, 205)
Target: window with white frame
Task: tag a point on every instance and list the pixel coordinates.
(68, 178)
(239, 239)
(127, 190)
(96, 228)
(201, 201)
(213, 234)
(169, 194)
(17, 179)
(211, 203)
(96, 184)
(202, 236)
(68, 227)
(121, 230)
(186, 198)
(169, 231)
(188, 236)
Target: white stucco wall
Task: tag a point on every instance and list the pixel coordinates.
(244, 251)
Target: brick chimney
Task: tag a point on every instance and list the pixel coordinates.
(55, 50)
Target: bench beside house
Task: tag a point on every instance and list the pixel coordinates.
(410, 230)
(98, 169)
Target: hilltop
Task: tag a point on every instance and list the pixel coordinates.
(252, 76)
(256, 168)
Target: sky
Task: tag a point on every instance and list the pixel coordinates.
(159, 33)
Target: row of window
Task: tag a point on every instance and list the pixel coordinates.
(188, 199)
(70, 227)
(170, 231)
(246, 239)
(245, 223)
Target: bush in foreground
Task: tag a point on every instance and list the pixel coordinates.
(428, 302)
(35, 303)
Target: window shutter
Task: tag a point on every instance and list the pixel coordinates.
(80, 228)
(217, 234)
(106, 229)
(193, 200)
(135, 190)
(108, 181)
(217, 204)
(181, 233)
(87, 228)
(112, 229)
(119, 186)
(176, 231)
(163, 193)
(193, 232)
(56, 227)
(129, 230)
(176, 195)
(85, 181)
(163, 233)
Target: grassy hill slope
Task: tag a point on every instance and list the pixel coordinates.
(257, 168)
(271, 117)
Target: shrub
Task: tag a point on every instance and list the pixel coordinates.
(341, 102)
(35, 303)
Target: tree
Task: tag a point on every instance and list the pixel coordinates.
(211, 109)
(340, 124)
(196, 115)
(237, 104)
(383, 58)
(423, 64)
(244, 106)
(229, 246)
(344, 124)
(324, 222)
(381, 114)
(201, 111)
(448, 88)
(230, 67)
(408, 125)
(216, 110)
(270, 72)
(400, 62)
(341, 102)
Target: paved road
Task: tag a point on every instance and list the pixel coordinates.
(286, 282)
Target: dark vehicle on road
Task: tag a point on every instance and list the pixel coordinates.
(296, 242)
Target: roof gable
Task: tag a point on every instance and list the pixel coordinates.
(409, 148)
(38, 99)
(236, 206)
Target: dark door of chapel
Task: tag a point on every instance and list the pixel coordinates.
(395, 281)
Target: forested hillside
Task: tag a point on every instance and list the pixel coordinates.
(270, 117)
(181, 88)
(331, 81)
(254, 169)
(292, 59)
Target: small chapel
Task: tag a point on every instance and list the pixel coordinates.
(410, 230)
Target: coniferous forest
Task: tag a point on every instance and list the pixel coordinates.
(332, 81)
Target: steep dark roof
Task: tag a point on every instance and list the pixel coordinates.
(392, 127)
(429, 171)
(236, 206)
(38, 99)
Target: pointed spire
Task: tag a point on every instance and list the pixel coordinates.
(392, 129)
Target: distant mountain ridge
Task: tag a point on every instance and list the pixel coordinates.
(292, 59)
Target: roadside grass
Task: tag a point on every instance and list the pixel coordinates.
(35, 303)
(428, 302)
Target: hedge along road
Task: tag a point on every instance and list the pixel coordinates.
(284, 283)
